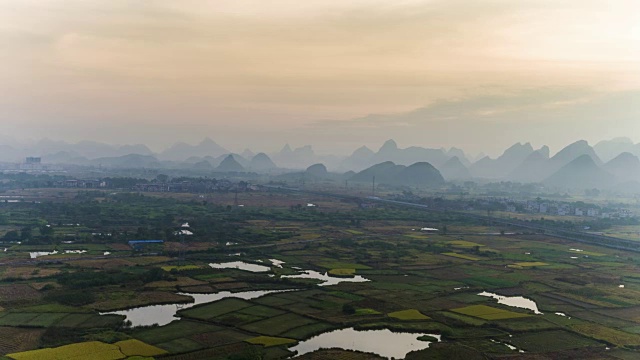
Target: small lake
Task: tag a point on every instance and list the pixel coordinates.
(325, 278)
(240, 265)
(382, 342)
(515, 301)
(164, 314)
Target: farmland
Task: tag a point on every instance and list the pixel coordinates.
(424, 283)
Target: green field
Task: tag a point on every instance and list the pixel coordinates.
(488, 312)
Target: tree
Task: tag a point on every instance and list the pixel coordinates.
(348, 309)
(11, 236)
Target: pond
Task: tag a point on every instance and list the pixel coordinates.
(164, 314)
(515, 301)
(382, 342)
(240, 265)
(325, 278)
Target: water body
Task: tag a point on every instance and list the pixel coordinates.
(515, 301)
(164, 314)
(325, 278)
(511, 347)
(276, 262)
(382, 342)
(37, 254)
(241, 265)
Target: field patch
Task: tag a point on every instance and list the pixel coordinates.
(488, 312)
(18, 339)
(410, 314)
(94, 350)
(134, 347)
(168, 332)
(215, 309)
(18, 293)
(616, 337)
(546, 341)
(530, 264)
(278, 324)
(179, 267)
(268, 341)
(342, 265)
(463, 244)
(461, 256)
(342, 272)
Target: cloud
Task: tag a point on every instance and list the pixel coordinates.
(491, 123)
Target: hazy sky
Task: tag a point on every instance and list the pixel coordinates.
(479, 75)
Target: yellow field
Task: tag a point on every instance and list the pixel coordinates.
(461, 256)
(134, 347)
(463, 243)
(342, 272)
(410, 314)
(268, 341)
(94, 350)
(530, 264)
(488, 312)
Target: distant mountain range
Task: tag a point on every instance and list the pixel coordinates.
(610, 163)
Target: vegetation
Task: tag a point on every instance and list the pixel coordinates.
(420, 283)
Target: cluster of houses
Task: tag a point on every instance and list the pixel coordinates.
(199, 186)
(562, 209)
(81, 184)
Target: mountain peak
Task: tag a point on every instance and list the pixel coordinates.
(388, 145)
(230, 164)
(286, 149)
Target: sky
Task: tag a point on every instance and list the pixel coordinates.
(336, 74)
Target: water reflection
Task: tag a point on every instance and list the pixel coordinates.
(240, 265)
(515, 301)
(326, 279)
(164, 314)
(382, 342)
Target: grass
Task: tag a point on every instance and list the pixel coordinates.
(134, 347)
(268, 341)
(366, 311)
(488, 312)
(410, 314)
(461, 256)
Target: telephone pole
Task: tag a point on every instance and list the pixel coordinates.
(373, 187)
